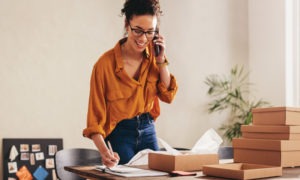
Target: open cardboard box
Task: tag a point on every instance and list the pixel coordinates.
(242, 171)
(271, 132)
(186, 162)
(285, 153)
(276, 116)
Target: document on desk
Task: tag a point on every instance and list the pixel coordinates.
(127, 171)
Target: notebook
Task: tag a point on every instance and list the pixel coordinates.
(127, 171)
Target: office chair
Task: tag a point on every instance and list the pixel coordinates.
(74, 157)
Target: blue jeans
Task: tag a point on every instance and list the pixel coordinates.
(133, 135)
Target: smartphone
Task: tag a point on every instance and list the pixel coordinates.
(156, 47)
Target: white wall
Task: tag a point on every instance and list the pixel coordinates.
(274, 50)
(204, 37)
(48, 48)
(267, 49)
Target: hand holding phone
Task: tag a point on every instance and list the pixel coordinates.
(156, 47)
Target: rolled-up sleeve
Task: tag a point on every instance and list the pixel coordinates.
(167, 94)
(96, 117)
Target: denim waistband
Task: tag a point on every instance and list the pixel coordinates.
(137, 121)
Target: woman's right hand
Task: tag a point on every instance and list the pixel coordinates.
(109, 158)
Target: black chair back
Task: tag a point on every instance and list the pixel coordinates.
(75, 157)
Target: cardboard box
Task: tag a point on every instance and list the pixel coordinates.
(271, 132)
(276, 116)
(278, 136)
(242, 171)
(266, 144)
(285, 153)
(186, 162)
(274, 158)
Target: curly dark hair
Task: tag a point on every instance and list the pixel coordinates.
(141, 7)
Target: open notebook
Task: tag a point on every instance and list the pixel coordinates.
(127, 171)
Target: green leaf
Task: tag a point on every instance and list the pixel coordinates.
(232, 92)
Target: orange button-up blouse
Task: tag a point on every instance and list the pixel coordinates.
(114, 96)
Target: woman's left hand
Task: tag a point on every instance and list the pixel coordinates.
(161, 43)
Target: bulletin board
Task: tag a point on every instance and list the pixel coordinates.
(35, 155)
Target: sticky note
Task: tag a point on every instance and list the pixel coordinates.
(24, 174)
(40, 173)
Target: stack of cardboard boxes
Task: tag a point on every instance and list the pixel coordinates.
(272, 139)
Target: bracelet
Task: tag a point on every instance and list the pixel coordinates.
(165, 63)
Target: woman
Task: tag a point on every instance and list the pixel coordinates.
(126, 85)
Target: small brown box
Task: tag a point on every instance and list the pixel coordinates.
(285, 153)
(274, 158)
(242, 171)
(186, 162)
(271, 132)
(266, 144)
(276, 116)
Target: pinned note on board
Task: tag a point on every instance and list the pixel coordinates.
(13, 153)
(40, 173)
(24, 174)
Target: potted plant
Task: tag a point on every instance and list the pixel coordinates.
(232, 93)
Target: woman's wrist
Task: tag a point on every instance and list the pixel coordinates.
(100, 143)
(162, 64)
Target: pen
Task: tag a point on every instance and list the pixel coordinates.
(111, 151)
(110, 148)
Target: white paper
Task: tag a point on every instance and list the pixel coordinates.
(123, 169)
(126, 171)
(39, 156)
(141, 158)
(169, 148)
(13, 153)
(32, 159)
(209, 143)
(54, 177)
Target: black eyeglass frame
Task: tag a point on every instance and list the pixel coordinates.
(139, 32)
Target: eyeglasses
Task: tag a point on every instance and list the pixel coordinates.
(138, 32)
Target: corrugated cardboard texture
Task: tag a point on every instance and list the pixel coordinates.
(168, 163)
(242, 171)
